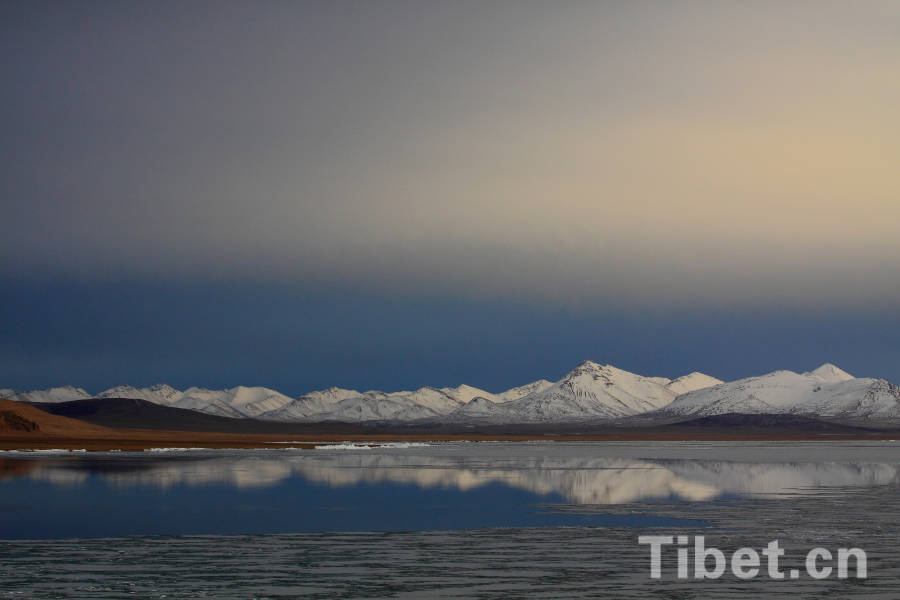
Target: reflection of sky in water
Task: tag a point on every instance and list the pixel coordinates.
(440, 487)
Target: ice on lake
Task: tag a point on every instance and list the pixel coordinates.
(443, 520)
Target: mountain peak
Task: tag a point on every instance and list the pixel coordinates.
(692, 382)
(56, 394)
(162, 387)
(590, 366)
(827, 392)
(831, 373)
(466, 393)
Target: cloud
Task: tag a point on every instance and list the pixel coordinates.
(633, 154)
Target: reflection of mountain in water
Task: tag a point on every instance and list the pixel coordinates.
(579, 480)
(582, 481)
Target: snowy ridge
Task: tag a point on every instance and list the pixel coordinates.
(239, 401)
(380, 406)
(466, 393)
(310, 404)
(590, 392)
(56, 394)
(423, 404)
(825, 392)
(480, 409)
(830, 373)
(692, 382)
(524, 390)
(158, 394)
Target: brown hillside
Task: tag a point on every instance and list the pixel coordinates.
(10, 421)
(17, 418)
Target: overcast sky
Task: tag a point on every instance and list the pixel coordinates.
(392, 194)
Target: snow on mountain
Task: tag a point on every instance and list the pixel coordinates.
(158, 394)
(57, 394)
(124, 391)
(428, 403)
(591, 391)
(770, 393)
(480, 409)
(310, 404)
(166, 393)
(423, 403)
(858, 398)
(465, 393)
(236, 402)
(254, 401)
(825, 392)
(379, 406)
(523, 390)
(336, 404)
(213, 402)
(692, 382)
(431, 398)
(830, 373)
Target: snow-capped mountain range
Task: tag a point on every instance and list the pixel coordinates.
(825, 392)
(590, 392)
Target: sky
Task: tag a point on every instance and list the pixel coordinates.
(384, 195)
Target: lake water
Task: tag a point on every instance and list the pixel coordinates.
(440, 520)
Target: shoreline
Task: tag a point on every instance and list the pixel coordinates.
(140, 440)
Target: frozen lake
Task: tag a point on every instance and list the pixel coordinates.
(443, 520)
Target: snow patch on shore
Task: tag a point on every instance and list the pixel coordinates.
(371, 445)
